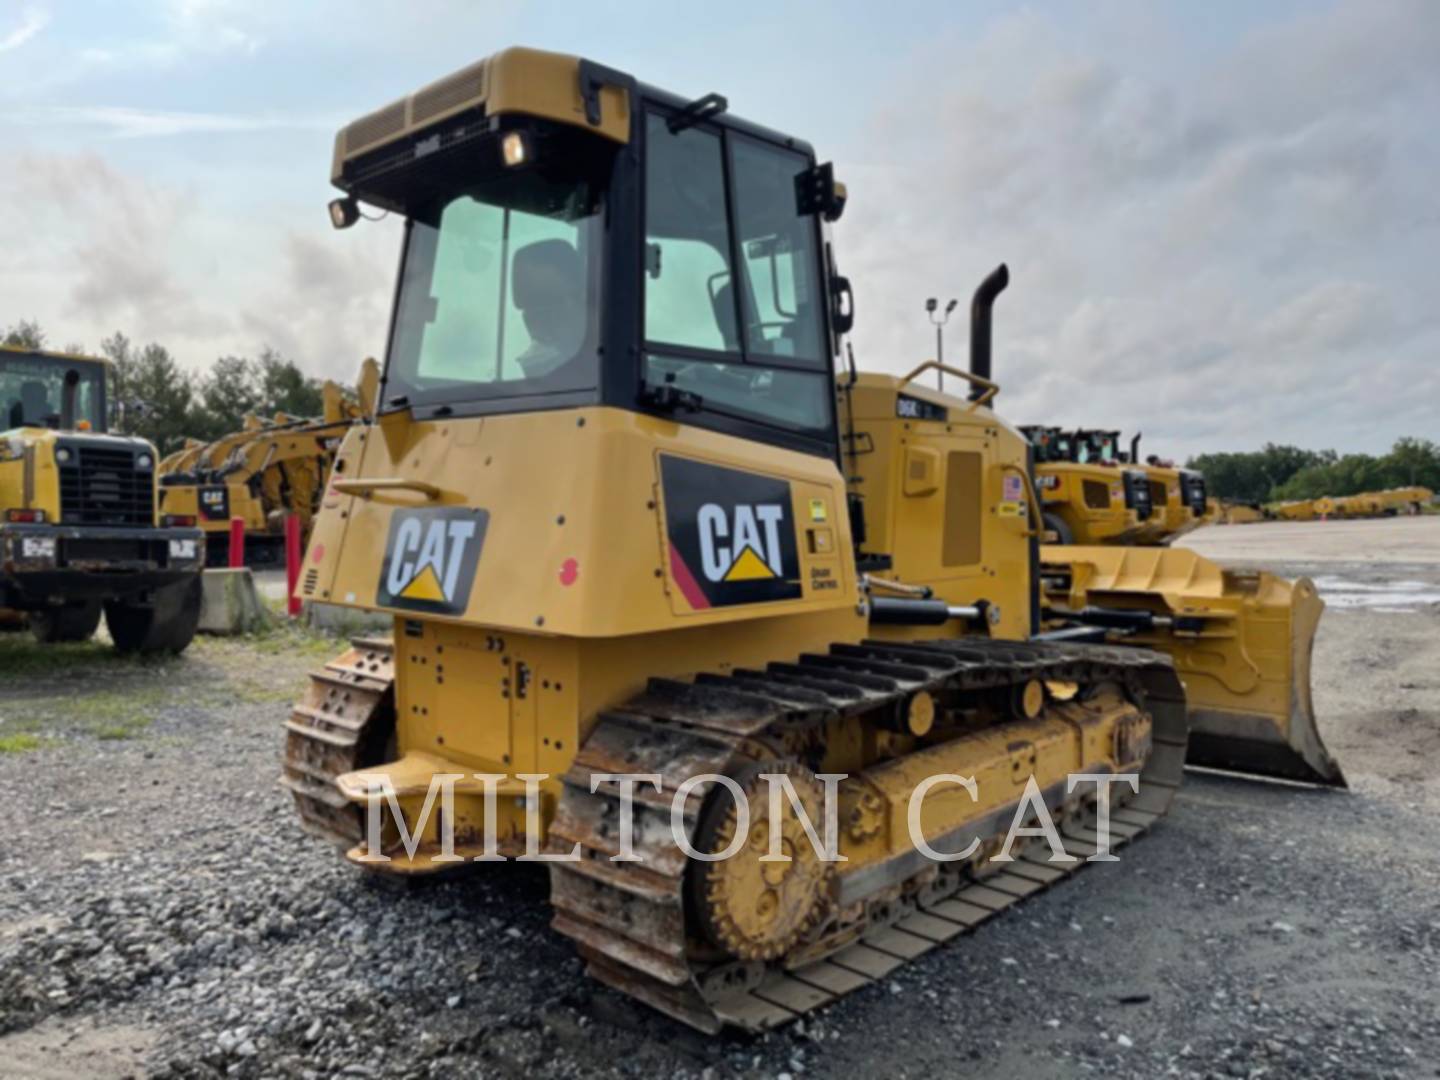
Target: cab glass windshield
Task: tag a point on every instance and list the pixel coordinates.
(499, 293)
(32, 391)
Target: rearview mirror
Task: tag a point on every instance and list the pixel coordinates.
(818, 192)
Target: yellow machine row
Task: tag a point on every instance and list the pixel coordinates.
(1387, 503)
(1408, 500)
(1094, 493)
(263, 472)
(1226, 512)
(81, 533)
(631, 515)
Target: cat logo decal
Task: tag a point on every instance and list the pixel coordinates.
(430, 559)
(731, 535)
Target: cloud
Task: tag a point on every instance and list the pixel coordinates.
(101, 248)
(121, 122)
(32, 21)
(1219, 250)
(93, 248)
(328, 304)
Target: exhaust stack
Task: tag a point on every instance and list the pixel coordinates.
(67, 400)
(980, 307)
(1135, 449)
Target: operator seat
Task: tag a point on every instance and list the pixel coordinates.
(548, 286)
(33, 406)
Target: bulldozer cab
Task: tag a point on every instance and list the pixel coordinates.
(33, 390)
(1096, 446)
(668, 259)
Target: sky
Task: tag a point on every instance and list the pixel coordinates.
(1221, 219)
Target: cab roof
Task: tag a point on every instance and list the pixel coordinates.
(50, 354)
(521, 81)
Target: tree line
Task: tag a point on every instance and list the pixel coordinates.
(1279, 473)
(152, 396)
(159, 400)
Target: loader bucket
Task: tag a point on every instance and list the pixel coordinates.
(1241, 641)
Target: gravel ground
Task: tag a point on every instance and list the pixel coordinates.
(161, 914)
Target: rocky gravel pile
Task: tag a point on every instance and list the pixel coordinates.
(162, 884)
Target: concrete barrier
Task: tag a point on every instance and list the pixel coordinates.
(231, 604)
(346, 622)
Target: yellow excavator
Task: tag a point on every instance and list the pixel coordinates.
(633, 516)
(263, 472)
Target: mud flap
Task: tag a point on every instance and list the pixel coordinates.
(1241, 641)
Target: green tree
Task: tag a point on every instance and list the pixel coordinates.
(285, 388)
(1260, 475)
(153, 394)
(226, 394)
(25, 334)
(1413, 461)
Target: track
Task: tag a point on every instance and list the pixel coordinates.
(630, 920)
(344, 719)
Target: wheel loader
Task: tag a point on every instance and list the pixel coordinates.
(80, 530)
(634, 517)
(261, 473)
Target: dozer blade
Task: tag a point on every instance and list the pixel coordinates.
(1241, 641)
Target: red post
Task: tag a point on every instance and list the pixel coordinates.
(293, 556)
(237, 543)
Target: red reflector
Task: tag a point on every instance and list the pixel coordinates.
(178, 521)
(26, 517)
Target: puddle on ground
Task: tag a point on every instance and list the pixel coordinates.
(1391, 597)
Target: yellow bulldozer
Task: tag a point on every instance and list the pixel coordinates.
(1088, 493)
(263, 472)
(81, 531)
(1092, 492)
(669, 578)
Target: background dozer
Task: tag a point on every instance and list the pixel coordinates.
(1181, 492)
(632, 516)
(80, 529)
(1087, 494)
(261, 473)
(1092, 492)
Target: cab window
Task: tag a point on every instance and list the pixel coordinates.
(732, 308)
(782, 315)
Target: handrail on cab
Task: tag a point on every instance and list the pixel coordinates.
(990, 388)
(365, 488)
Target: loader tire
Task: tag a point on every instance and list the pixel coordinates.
(165, 626)
(1062, 532)
(73, 622)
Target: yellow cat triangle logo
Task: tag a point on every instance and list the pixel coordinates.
(749, 567)
(424, 586)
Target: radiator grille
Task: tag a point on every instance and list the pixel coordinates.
(1096, 494)
(459, 89)
(108, 552)
(101, 486)
(388, 122)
